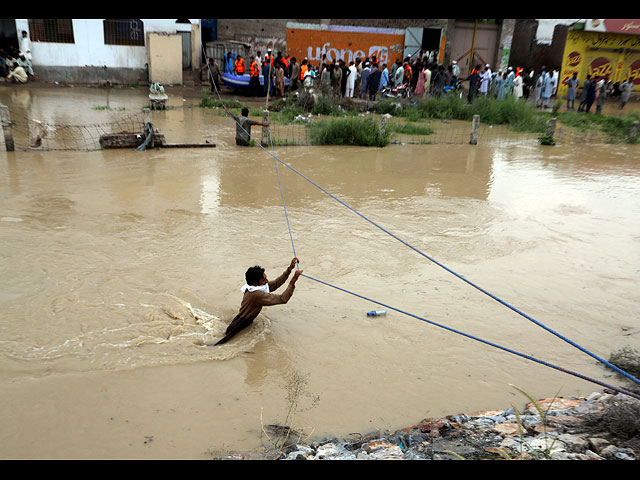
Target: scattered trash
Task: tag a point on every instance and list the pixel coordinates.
(376, 313)
(303, 118)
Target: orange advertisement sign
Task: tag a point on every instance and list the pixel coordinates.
(343, 42)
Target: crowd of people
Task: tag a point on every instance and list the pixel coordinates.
(359, 78)
(597, 91)
(366, 77)
(15, 64)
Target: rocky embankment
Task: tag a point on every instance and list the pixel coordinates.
(602, 426)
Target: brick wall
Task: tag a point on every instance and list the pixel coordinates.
(525, 51)
(274, 30)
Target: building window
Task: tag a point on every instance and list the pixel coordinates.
(124, 31)
(56, 30)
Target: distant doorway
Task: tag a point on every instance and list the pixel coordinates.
(8, 35)
(431, 39)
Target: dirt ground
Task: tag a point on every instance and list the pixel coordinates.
(192, 90)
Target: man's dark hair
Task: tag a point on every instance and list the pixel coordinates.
(245, 112)
(254, 275)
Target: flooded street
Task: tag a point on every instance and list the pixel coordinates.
(116, 267)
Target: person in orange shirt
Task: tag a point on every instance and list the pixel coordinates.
(239, 66)
(254, 75)
(407, 73)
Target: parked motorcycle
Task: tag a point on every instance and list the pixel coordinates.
(454, 90)
(401, 91)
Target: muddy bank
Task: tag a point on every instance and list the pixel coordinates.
(600, 426)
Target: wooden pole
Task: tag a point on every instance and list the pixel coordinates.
(551, 127)
(475, 125)
(265, 130)
(5, 119)
(473, 46)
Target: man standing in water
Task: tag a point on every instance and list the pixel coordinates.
(243, 127)
(257, 294)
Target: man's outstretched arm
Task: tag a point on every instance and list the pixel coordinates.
(275, 284)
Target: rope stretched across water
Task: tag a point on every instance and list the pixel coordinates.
(605, 362)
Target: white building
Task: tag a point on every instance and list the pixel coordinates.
(114, 50)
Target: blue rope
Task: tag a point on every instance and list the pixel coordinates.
(293, 247)
(276, 159)
(528, 357)
(464, 279)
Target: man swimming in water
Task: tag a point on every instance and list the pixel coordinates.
(257, 294)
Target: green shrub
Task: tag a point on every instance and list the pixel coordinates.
(324, 106)
(348, 131)
(389, 106)
(546, 139)
(288, 114)
(446, 107)
(517, 114)
(617, 127)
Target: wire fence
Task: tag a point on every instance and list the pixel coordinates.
(29, 134)
(460, 133)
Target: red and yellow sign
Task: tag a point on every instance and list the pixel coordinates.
(600, 54)
(601, 67)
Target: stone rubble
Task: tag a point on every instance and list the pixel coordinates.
(494, 434)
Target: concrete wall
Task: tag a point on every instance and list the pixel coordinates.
(89, 60)
(528, 52)
(165, 58)
(272, 33)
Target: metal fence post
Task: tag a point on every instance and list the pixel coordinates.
(5, 119)
(634, 131)
(475, 126)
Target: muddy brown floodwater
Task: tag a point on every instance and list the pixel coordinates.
(116, 267)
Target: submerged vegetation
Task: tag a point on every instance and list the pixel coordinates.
(516, 115)
(348, 131)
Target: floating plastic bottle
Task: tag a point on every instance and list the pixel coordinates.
(376, 313)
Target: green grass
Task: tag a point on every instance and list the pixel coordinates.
(617, 127)
(410, 129)
(348, 131)
(516, 115)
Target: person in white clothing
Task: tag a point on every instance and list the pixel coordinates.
(399, 77)
(351, 80)
(485, 78)
(25, 45)
(517, 87)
